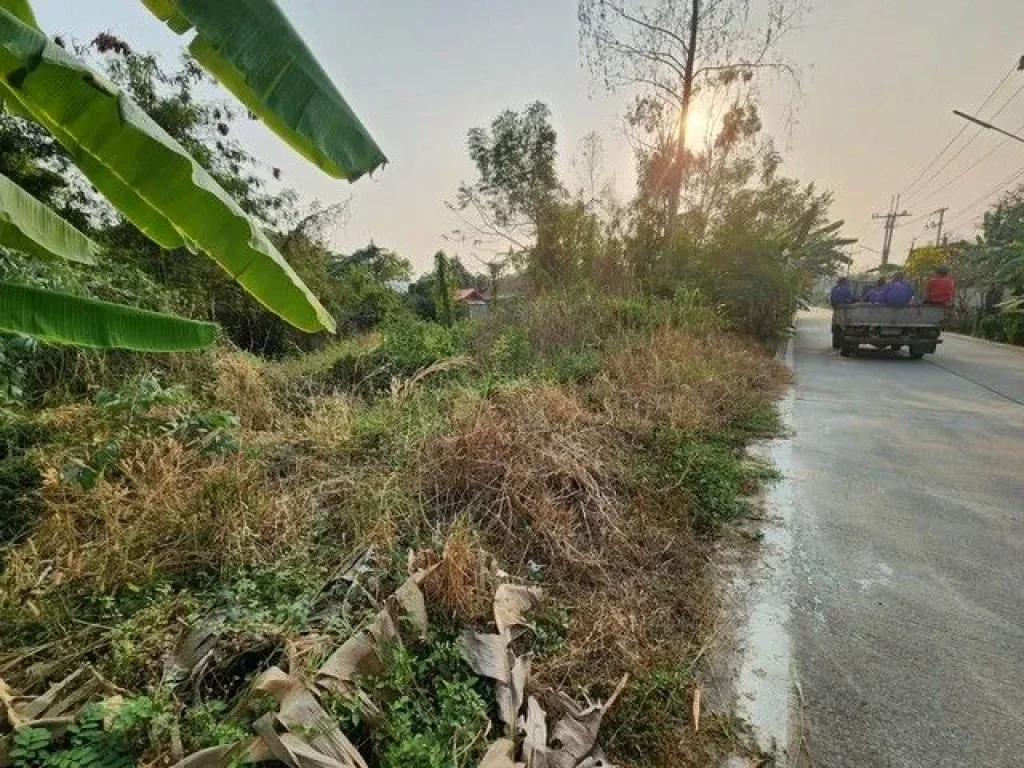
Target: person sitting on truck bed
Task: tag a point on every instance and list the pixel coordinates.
(876, 293)
(841, 293)
(940, 288)
(898, 292)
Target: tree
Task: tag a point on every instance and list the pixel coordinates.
(923, 260)
(517, 181)
(443, 291)
(381, 264)
(153, 181)
(671, 50)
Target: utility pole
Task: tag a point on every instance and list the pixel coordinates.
(938, 225)
(890, 224)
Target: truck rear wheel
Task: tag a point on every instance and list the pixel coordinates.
(916, 352)
(847, 350)
(837, 339)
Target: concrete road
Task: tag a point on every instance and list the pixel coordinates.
(908, 554)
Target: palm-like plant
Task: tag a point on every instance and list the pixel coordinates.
(253, 50)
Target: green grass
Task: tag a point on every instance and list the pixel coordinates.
(653, 707)
(713, 470)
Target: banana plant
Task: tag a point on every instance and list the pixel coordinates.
(28, 226)
(253, 50)
(153, 181)
(84, 322)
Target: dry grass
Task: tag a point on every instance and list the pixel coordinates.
(543, 477)
(546, 475)
(690, 383)
(242, 387)
(459, 581)
(532, 465)
(166, 512)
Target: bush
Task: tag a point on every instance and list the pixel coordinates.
(406, 348)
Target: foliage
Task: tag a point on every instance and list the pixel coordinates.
(88, 743)
(444, 302)
(923, 261)
(407, 347)
(670, 52)
(515, 162)
(434, 709)
(292, 94)
(175, 203)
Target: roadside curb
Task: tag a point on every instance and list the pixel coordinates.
(764, 681)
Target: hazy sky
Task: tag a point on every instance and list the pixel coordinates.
(880, 80)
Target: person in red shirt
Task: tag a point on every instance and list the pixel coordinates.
(940, 288)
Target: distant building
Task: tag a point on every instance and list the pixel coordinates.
(475, 302)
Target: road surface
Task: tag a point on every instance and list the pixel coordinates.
(907, 560)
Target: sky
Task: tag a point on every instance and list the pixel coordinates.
(879, 81)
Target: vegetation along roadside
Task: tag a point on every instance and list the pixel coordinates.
(473, 528)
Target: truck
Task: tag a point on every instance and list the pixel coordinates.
(917, 328)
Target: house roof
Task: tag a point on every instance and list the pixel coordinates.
(465, 295)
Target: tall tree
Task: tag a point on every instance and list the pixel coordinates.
(517, 181)
(670, 50)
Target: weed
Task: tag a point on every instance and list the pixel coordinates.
(204, 725)
(713, 470)
(572, 367)
(649, 715)
(20, 480)
(87, 742)
(434, 709)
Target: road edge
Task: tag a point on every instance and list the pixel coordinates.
(969, 337)
(764, 685)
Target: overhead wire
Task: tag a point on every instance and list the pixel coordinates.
(958, 134)
(977, 132)
(989, 193)
(968, 169)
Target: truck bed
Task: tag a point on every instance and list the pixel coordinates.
(929, 315)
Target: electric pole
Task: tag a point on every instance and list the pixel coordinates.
(890, 224)
(938, 225)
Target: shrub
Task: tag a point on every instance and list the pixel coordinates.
(406, 348)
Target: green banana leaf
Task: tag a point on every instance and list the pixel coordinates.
(253, 50)
(66, 319)
(22, 9)
(28, 226)
(144, 172)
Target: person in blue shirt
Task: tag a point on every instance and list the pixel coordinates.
(841, 293)
(898, 292)
(876, 293)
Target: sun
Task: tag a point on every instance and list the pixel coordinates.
(698, 121)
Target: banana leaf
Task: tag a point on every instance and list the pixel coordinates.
(255, 52)
(28, 226)
(22, 9)
(144, 172)
(66, 319)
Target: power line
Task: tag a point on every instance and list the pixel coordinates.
(991, 191)
(959, 133)
(977, 132)
(968, 169)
